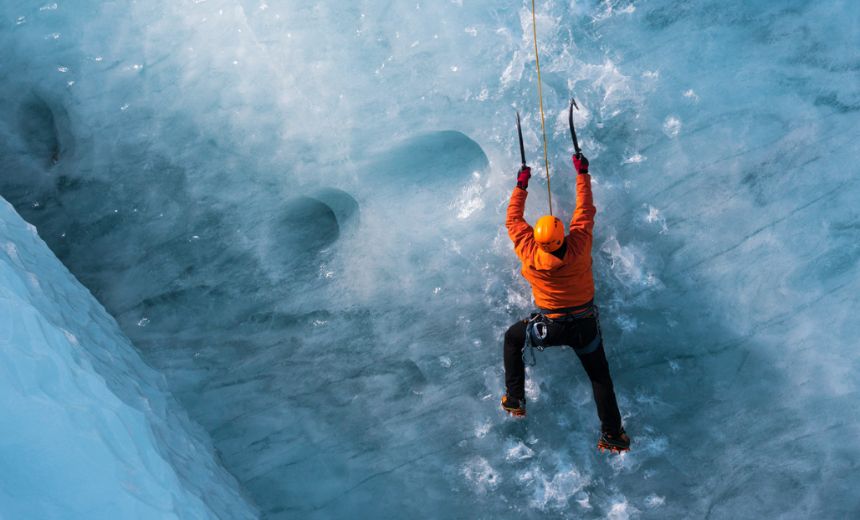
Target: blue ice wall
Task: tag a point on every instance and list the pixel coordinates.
(295, 209)
(89, 430)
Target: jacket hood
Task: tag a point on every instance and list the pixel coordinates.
(543, 261)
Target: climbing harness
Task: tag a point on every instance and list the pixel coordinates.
(595, 343)
(537, 329)
(579, 311)
(542, 118)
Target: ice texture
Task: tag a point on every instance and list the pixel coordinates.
(295, 212)
(89, 430)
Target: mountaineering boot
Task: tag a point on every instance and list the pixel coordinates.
(617, 443)
(513, 406)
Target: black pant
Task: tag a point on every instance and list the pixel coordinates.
(576, 334)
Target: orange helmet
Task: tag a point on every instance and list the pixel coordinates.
(549, 233)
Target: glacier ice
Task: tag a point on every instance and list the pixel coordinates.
(89, 430)
(294, 211)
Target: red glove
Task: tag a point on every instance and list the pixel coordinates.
(580, 163)
(523, 177)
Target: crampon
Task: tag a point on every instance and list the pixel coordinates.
(514, 407)
(614, 443)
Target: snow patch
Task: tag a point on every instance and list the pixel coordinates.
(654, 501)
(634, 159)
(481, 475)
(555, 492)
(672, 126)
(517, 450)
(621, 510)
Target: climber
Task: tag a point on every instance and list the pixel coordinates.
(558, 267)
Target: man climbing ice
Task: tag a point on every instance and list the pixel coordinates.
(558, 268)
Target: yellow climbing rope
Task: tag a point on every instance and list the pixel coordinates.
(540, 98)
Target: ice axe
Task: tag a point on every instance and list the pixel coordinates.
(576, 147)
(520, 135)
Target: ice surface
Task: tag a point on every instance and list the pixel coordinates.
(89, 430)
(294, 210)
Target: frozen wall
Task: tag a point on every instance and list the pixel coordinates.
(89, 430)
(294, 210)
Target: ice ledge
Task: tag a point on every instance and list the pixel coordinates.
(89, 430)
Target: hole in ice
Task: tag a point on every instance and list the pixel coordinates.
(305, 225)
(38, 124)
(432, 157)
(341, 203)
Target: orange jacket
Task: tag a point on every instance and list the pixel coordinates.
(556, 284)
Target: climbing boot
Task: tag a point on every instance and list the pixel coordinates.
(514, 406)
(614, 442)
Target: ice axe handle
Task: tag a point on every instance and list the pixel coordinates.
(520, 135)
(576, 147)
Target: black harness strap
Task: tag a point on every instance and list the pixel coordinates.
(583, 309)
